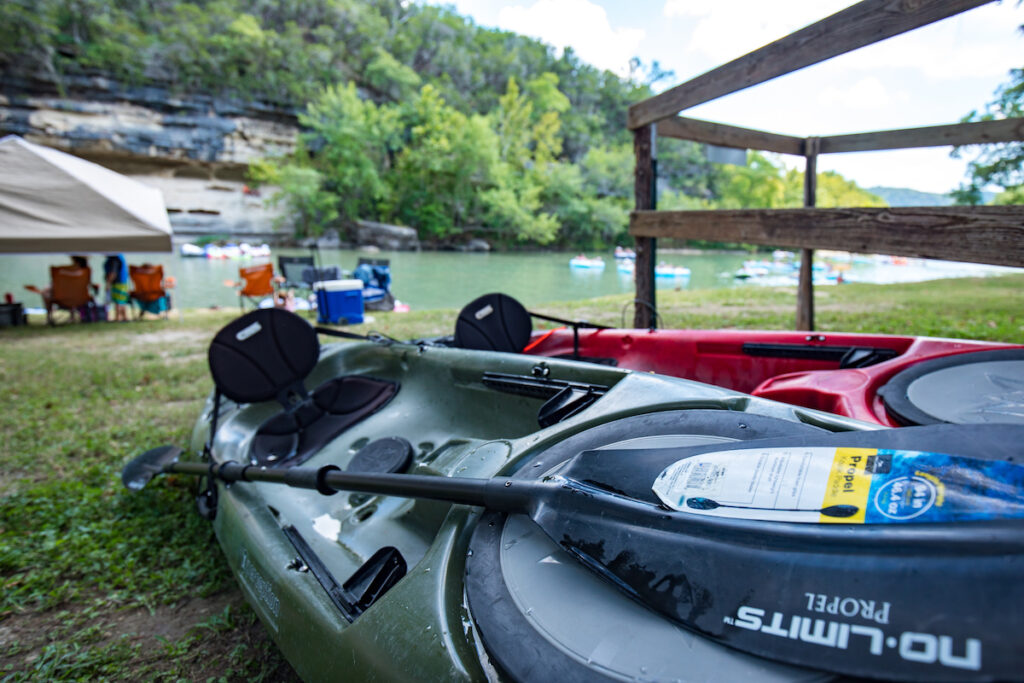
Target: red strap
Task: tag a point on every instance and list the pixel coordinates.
(538, 340)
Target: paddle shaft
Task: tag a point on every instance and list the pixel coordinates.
(499, 493)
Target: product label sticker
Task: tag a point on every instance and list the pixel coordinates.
(842, 485)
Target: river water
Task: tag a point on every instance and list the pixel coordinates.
(432, 280)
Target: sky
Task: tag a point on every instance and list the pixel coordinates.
(931, 76)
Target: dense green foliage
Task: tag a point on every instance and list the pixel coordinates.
(451, 175)
(412, 114)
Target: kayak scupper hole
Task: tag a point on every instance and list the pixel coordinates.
(366, 513)
(358, 444)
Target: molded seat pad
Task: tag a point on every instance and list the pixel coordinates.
(263, 354)
(291, 438)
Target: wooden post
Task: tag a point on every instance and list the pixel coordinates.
(644, 196)
(805, 290)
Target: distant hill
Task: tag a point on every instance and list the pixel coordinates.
(903, 196)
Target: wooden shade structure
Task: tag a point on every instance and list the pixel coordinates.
(993, 235)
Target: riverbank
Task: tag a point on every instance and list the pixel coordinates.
(100, 584)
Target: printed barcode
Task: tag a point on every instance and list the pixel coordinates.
(696, 480)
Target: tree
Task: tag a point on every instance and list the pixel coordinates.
(351, 139)
(309, 208)
(447, 160)
(759, 184)
(836, 191)
(1001, 163)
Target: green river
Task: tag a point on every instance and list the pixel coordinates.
(431, 280)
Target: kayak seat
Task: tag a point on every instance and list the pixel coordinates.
(292, 437)
(493, 322)
(497, 322)
(267, 355)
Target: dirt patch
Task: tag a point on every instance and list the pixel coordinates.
(173, 338)
(231, 644)
(166, 622)
(33, 630)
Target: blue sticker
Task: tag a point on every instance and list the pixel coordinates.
(912, 486)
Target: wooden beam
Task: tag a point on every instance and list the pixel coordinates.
(724, 135)
(862, 24)
(644, 187)
(975, 234)
(728, 136)
(977, 132)
(805, 287)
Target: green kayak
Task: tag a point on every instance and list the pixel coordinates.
(541, 571)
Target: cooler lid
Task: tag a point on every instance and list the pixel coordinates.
(338, 285)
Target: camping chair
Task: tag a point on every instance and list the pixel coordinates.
(148, 290)
(257, 282)
(69, 291)
(292, 268)
(300, 272)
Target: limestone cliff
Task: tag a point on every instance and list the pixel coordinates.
(195, 148)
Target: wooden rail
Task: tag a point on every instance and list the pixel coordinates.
(976, 234)
(979, 132)
(724, 135)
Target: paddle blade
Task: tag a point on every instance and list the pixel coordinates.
(138, 472)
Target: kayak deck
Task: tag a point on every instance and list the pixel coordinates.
(839, 373)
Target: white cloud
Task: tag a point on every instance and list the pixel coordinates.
(975, 43)
(928, 169)
(579, 24)
(867, 93)
(980, 43)
(726, 29)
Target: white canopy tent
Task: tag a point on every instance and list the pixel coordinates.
(55, 202)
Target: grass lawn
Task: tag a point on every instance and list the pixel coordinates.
(102, 584)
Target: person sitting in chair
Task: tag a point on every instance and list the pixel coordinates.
(80, 262)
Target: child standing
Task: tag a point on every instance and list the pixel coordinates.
(115, 274)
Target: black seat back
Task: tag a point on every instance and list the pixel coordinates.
(264, 355)
(493, 322)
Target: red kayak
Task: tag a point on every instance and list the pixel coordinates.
(886, 379)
